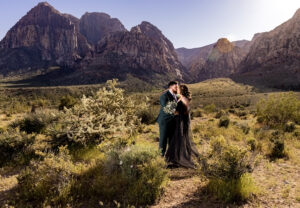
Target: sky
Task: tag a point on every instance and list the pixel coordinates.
(186, 23)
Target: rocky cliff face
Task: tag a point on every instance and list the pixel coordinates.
(143, 51)
(94, 26)
(274, 57)
(90, 50)
(216, 60)
(42, 37)
(222, 61)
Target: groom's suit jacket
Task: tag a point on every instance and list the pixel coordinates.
(164, 99)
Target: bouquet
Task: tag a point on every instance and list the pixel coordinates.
(170, 108)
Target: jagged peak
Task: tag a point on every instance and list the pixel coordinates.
(297, 13)
(148, 29)
(44, 5)
(224, 45)
(102, 14)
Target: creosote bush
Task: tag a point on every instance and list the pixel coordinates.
(252, 143)
(48, 182)
(210, 108)
(224, 121)
(219, 114)
(135, 175)
(148, 115)
(227, 168)
(196, 113)
(277, 147)
(15, 147)
(36, 122)
(277, 110)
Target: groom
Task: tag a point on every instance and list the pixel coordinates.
(166, 121)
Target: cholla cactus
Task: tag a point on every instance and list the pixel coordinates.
(106, 115)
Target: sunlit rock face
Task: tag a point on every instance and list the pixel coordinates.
(41, 38)
(217, 60)
(274, 56)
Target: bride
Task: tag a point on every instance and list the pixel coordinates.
(181, 147)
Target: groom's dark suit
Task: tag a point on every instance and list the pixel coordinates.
(166, 122)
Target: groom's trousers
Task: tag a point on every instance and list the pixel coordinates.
(166, 130)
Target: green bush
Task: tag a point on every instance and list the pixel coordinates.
(48, 182)
(15, 147)
(67, 101)
(227, 167)
(245, 128)
(241, 113)
(148, 115)
(277, 110)
(289, 127)
(196, 113)
(210, 108)
(36, 122)
(224, 121)
(233, 190)
(219, 114)
(231, 111)
(277, 147)
(132, 176)
(252, 143)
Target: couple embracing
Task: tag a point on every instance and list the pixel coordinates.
(174, 127)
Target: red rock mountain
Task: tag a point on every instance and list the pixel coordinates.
(143, 51)
(43, 37)
(274, 57)
(216, 60)
(91, 49)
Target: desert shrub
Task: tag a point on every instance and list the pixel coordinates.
(227, 167)
(36, 122)
(224, 121)
(219, 114)
(231, 111)
(15, 147)
(277, 146)
(277, 110)
(67, 101)
(289, 127)
(48, 182)
(241, 113)
(148, 115)
(245, 127)
(135, 175)
(196, 113)
(252, 143)
(210, 108)
(105, 116)
(233, 190)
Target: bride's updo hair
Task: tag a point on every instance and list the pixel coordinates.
(185, 92)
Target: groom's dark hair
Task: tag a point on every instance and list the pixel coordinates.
(172, 83)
